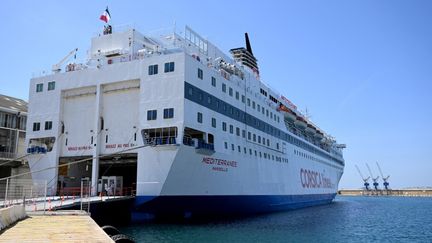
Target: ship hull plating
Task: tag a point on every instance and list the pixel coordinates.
(185, 206)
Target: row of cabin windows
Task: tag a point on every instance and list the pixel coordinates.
(251, 136)
(307, 156)
(36, 126)
(256, 153)
(168, 67)
(267, 129)
(167, 114)
(39, 87)
(243, 98)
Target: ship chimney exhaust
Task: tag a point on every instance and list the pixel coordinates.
(245, 56)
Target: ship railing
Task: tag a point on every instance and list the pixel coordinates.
(169, 140)
(203, 145)
(188, 141)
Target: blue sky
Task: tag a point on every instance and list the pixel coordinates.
(363, 69)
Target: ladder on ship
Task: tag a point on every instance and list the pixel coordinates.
(85, 195)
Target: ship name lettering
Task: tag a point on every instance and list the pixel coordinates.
(313, 179)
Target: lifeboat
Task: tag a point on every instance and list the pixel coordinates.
(311, 129)
(319, 135)
(300, 123)
(288, 113)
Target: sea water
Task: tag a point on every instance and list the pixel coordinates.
(347, 219)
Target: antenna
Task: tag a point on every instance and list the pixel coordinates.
(375, 183)
(365, 180)
(385, 182)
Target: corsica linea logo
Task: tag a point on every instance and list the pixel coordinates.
(313, 179)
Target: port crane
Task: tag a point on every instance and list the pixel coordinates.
(365, 180)
(375, 180)
(385, 182)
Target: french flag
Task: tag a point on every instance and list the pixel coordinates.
(105, 16)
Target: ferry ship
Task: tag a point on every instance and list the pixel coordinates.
(189, 128)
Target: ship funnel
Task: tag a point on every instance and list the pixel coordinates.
(248, 45)
(245, 56)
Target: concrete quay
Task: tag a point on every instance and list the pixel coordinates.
(57, 226)
(415, 192)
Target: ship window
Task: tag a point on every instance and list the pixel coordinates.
(267, 113)
(243, 133)
(213, 81)
(36, 126)
(199, 117)
(255, 152)
(254, 137)
(213, 122)
(259, 139)
(243, 98)
(250, 151)
(237, 95)
(224, 126)
(190, 90)
(210, 138)
(248, 102)
(230, 91)
(237, 131)
(39, 87)
(51, 85)
(48, 125)
(169, 67)
(226, 145)
(168, 113)
(224, 87)
(231, 129)
(249, 135)
(258, 107)
(153, 69)
(165, 135)
(271, 115)
(239, 148)
(253, 104)
(151, 115)
(200, 73)
(262, 109)
(232, 147)
(209, 100)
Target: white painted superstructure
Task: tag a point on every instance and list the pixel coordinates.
(202, 123)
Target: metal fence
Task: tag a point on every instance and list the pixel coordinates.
(31, 193)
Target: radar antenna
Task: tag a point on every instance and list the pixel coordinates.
(375, 180)
(365, 180)
(385, 182)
